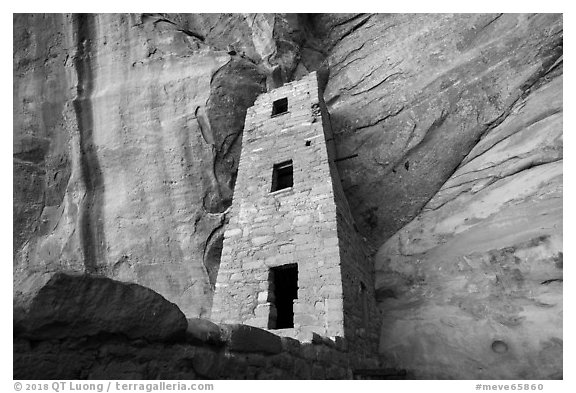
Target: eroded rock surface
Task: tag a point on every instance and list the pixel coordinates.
(127, 132)
(460, 115)
(412, 94)
(483, 262)
(125, 136)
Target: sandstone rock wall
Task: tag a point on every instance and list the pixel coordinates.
(457, 124)
(126, 134)
(126, 139)
(412, 95)
(483, 262)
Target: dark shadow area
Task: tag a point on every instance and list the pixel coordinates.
(91, 226)
(280, 106)
(284, 284)
(282, 176)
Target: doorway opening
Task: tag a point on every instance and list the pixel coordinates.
(283, 283)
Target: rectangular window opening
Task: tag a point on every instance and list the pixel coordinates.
(282, 176)
(283, 283)
(280, 106)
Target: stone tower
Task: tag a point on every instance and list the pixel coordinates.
(292, 260)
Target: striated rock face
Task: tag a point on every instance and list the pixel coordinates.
(460, 116)
(412, 94)
(482, 263)
(448, 128)
(126, 134)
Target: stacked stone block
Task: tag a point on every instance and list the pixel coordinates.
(362, 319)
(207, 351)
(308, 224)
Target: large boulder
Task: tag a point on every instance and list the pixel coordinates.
(201, 331)
(83, 305)
(244, 338)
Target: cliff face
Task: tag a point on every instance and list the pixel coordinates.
(127, 133)
(127, 138)
(482, 263)
(457, 123)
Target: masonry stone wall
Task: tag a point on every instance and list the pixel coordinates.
(91, 327)
(207, 351)
(308, 224)
(362, 319)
